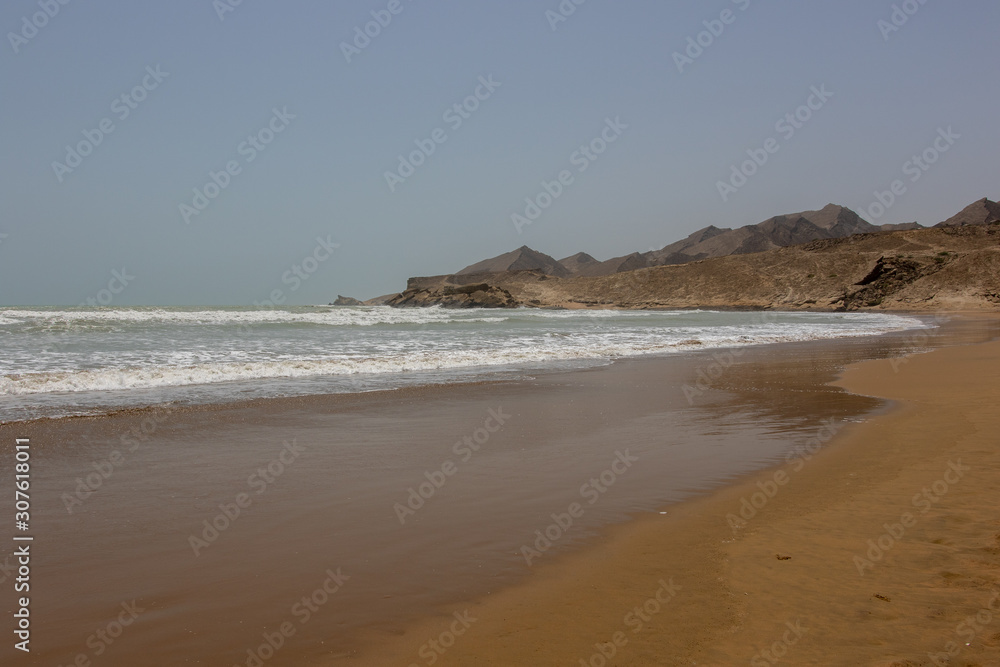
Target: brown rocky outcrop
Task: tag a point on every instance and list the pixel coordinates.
(476, 295)
(951, 266)
(982, 212)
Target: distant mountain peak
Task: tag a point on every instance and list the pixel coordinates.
(522, 259)
(830, 222)
(980, 212)
(579, 257)
(578, 262)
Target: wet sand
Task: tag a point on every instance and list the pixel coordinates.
(322, 517)
(883, 549)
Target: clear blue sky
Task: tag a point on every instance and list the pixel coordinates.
(323, 174)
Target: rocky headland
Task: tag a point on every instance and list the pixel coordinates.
(828, 259)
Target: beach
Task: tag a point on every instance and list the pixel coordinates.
(429, 334)
(883, 549)
(525, 520)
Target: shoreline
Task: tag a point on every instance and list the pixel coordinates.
(751, 585)
(474, 379)
(569, 426)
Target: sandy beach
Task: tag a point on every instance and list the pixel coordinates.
(472, 334)
(633, 510)
(882, 549)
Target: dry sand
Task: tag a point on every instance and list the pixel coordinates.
(332, 505)
(883, 549)
(724, 595)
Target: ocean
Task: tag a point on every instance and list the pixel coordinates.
(59, 362)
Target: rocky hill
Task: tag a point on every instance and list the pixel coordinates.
(522, 259)
(832, 221)
(579, 263)
(982, 212)
(955, 265)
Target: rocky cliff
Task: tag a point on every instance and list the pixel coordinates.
(955, 265)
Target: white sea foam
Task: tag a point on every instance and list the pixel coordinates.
(595, 335)
(364, 316)
(56, 362)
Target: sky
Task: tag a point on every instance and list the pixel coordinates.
(228, 152)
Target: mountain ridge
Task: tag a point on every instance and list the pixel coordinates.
(829, 259)
(980, 212)
(521, 259)
(831, 221)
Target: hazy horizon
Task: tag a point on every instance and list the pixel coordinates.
(201, 153)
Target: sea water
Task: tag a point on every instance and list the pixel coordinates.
(67, 361)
